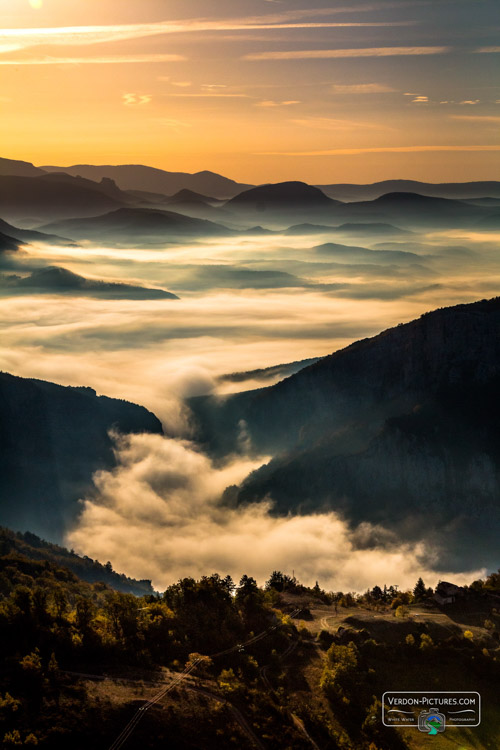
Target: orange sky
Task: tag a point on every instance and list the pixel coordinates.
(260, 90)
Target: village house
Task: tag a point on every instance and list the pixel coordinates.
(447, 593)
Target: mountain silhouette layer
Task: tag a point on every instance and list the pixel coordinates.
(8, 244)
(49, 197)
(190, 197)
(417, 211)
(57, 280)
(28, 235)
(281, 194)
(19, 168)
(458, 190)
(132, 225)
(140, 177)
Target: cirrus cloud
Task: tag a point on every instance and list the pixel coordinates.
(361, 88)
(318, 54)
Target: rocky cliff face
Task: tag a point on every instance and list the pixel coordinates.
(400, 430)
(368, 382)
(52, 439)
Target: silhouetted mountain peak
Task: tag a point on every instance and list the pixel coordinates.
(285, 194)
(19, 168)
(190, 196)
(58, 276)
(53, 196)
(406, 198)
(154, 180)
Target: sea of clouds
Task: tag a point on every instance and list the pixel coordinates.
(159, 515)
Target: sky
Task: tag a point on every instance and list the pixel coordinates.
(258, 90)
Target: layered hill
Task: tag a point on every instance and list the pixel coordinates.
(28, 235)
(52, 439)
(399, 430)
(289, 204)
(31, 195)
(189, 197)
(131, 225)
(417, 211)
(19, 168)
(48, 197)
(280, 205)
(360, 230)
(57, 280)
(8, 244)
(286, 194)
(150, 179)
(458, 190)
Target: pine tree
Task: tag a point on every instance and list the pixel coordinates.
(419, 592)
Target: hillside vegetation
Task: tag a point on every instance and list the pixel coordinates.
(267, 667)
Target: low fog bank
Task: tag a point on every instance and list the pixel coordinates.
(159, 515)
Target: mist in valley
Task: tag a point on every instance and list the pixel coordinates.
(245, 303)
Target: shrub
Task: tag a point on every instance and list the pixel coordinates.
(426, 642)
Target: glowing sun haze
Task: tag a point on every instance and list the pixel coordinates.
(260, 90)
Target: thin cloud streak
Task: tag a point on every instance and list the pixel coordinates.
(270, 103)
(327, 123)
(318, 54)
(111, 60)
(361, 88)
(208, 95)
(476, 118)
(377, 150)
(83, 35)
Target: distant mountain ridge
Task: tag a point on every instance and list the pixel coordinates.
(44, 197)
(458, 190)
(19, 168)
(417, 211)
(32, 196)
(57, 280)
(133, 224)
(27, 235)
(139, 177)
(151, 179)
(281, 193)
